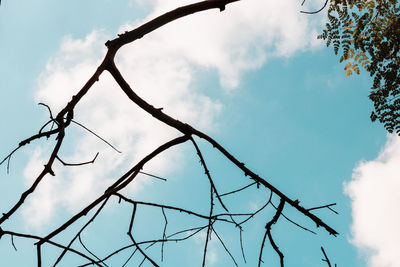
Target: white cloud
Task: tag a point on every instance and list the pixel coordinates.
(161, 68)
(240, 38)
(374, 192)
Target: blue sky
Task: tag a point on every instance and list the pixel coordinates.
(254, 77)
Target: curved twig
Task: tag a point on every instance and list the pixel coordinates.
(268, 233)
(315, 12)
(77, 164)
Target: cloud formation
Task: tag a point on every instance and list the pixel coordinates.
(162, 68)
(374, 192)
(239, 39)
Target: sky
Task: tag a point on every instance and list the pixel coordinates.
(253, 77)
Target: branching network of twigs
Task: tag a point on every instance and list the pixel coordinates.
(57, 125)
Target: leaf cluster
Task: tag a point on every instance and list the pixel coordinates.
(366, 33)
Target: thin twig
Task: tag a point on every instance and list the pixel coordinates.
(268, 233)
(90, 252)
(207, 172)
(163, 236)
(44, 126)
(315, 12)
(130, 257)
(152, 175)
(326, 257)
(48, 108)
(12, 242)
(134, 241)
(257, 211)
(226, 249)
(208, 236)
(49, 242)
(28, 140)
(80, 231)
(293, 222)
(152, 242)
(241, 244)
(189, 130)
(46, 170)
(8, 164)
(98, 136)
(118, 185)
(144, 258)
(238, 190)
(325, 206)
(78, 164)
(135, 202)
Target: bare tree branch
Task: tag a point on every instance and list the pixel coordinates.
(325, 206)
(268, 233)
(78, 164)
(28, 236)
(326, 258)
(64, 118)
(98, 136)
(118, 185)
(209, 227)
(81, 230)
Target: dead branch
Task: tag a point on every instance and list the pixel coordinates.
(64, 118)
(77, 164)
(326, 258)
(268, 233)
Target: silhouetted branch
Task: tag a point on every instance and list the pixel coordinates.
(28, 236)
(189, 130)
(241, 244)
(98, 136)
(326, 258)
(133, 240)
(257, 211)
(325, 206)
(28, 140)
(118, 185)
(315, 12)
(143, 253)
(154, 176)
(209, 227)
(237, 190)
(163, 235)
(45, 125)
(80, 231)
(213, 217)
(293, 222)
(65, 117)
(46, 170)
(226, 249)
(152, 242)
(90, 252)
(268, 233)
(207, 172)
(8, 164)
(78, 164)
(130, 257)
(39, 255)
(48, 108)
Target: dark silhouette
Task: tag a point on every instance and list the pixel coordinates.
(65, 117)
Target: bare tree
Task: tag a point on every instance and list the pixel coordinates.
(55, 128)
